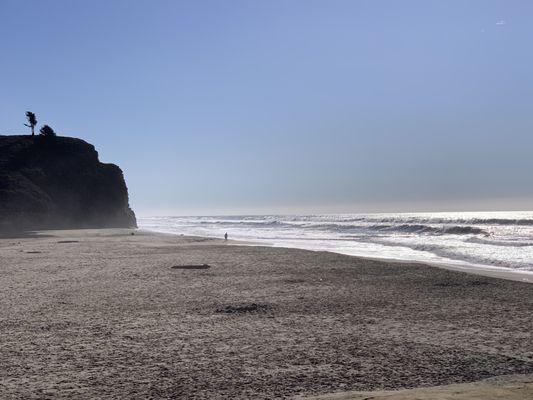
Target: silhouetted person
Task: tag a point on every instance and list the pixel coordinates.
(226, 236)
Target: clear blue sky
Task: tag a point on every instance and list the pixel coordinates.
(284, 106)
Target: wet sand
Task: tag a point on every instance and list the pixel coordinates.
(103, 314)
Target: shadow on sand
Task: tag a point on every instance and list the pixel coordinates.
(22, 235)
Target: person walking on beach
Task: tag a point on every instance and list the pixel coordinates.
(226, 236)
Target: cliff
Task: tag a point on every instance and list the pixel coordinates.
(59, 183)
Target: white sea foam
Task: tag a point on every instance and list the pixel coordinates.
(497, 239)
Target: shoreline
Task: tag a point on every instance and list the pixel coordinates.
(485, 241)
(459, 266)
(107, 314)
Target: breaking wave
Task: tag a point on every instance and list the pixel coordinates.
(502, 239)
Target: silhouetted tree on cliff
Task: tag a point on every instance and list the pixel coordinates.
(32, 121)
(47, 131)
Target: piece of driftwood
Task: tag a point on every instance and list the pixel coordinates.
(202, 266)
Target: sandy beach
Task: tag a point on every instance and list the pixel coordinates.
(110, 315)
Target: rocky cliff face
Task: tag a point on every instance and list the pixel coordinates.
(58, 183)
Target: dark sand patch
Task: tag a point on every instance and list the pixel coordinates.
(22, 235)
(245, 309)
(462, 283)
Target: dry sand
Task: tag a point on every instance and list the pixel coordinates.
(508, 387)
(102, 314)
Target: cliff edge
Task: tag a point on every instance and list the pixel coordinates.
(59, 183)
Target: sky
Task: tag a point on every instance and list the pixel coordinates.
(284, 106)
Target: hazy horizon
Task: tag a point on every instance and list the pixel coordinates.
(319, 210)
(254, 107)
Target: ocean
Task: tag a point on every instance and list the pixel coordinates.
(484, 239)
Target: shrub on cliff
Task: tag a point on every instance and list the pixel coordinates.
(47, 131)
